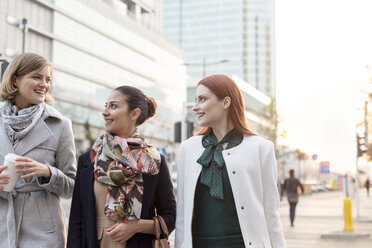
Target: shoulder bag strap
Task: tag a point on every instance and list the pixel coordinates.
(157, 228)
(163, 226)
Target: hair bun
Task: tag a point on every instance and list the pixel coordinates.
(152, 106)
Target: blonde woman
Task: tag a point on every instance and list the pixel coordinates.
(31, 213)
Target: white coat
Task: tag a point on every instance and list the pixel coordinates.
(252, 172)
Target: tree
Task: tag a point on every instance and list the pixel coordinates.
(301, 156)
(269, 127)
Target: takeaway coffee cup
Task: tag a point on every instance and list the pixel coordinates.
(11, 171)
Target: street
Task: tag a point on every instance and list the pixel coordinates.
(318, 214)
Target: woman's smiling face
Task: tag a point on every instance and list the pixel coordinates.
(32, 88)
(208, 108)
(118, 118)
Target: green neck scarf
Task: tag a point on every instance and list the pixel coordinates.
(212, 161)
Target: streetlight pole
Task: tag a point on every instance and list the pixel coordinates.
(23, 27)
(360, 149)
(21, 24)
(362, 146)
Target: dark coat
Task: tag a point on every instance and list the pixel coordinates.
(157, 194)
(290, 185)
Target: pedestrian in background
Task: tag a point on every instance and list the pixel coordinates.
(31, 214)
(227, 194)
(367, 184)
(291, 185)
(122, 182)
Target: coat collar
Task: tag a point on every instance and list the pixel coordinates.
(37, 135)
(51, 112)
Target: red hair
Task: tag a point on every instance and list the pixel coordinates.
(223, 86)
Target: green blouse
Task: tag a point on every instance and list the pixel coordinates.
(215, 221)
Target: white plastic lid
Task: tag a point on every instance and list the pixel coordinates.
(11, 157)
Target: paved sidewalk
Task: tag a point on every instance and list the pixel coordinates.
(323, 213)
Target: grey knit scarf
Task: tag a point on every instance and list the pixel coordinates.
(19, 122)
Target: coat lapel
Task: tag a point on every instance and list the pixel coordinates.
(86, 184)
(197, 168)
(87, 179)
(86, 195)
(35, 137)
(199, 149)
(7, 147)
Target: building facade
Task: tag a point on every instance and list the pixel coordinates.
(96, 46)
(240, 32)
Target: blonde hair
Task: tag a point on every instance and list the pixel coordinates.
(20, 66)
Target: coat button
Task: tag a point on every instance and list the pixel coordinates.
(250, 243)
(228, 153)
(234, 172)
(242, 207)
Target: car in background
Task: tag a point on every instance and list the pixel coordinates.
(318, 187)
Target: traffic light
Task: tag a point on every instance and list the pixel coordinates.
(177, 132)
(361, 145)
(4, 65)
(189, 129)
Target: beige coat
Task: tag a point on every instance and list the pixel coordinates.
(32, 214)
(252, 172)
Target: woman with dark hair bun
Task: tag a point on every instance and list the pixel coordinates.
(122, 182)
(226, 176)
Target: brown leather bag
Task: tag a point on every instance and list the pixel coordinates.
(160, 227)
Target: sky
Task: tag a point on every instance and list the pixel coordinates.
(322, 49)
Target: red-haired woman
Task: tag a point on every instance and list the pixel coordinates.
(227, 178)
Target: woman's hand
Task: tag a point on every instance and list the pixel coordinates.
(32, 167)
(121, 232)
(4, 179)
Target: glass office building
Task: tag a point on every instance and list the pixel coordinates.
(212, 31)
(96, 46)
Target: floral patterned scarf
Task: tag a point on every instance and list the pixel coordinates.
(120, 163)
